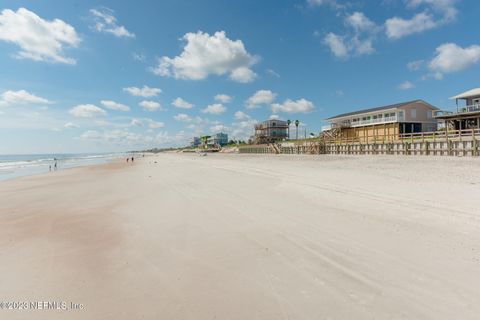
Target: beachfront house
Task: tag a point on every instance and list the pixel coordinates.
(384, 123)
(196, 141)
(466, 116)
(270, 131)
(218, 139)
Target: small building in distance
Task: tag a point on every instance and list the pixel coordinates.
(382, 123)
(270, 131)
(196, 141)
(218, 139)
(465, 117)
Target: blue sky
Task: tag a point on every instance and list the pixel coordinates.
(89, 76)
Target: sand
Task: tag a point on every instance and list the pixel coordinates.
(246, 237)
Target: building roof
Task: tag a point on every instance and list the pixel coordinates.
(274, 120)
(468, 94)
(391, 106)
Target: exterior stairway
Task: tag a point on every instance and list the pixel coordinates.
(275, 147)
(331, 134)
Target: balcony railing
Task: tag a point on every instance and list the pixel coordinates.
(459, 110)
(326, 128)
(374, 121)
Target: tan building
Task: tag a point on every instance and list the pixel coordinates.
(270, 131)
(382, 123)
(465, 117)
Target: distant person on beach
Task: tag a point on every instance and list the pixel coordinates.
(132, 159)
(50, 168)
(128, 159)
(55, 166)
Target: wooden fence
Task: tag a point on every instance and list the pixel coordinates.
(439, 143)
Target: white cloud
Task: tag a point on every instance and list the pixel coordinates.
(150, 105)
(216, 108)
(120, 137)
(274, 117)
(71, 125)
(205, 55)
(90, 135)
(154, 124)
(452, 58)
(223, 98)
(339, 93)
(358, 41)
(182, 104)
(242, 129)
(140, 57)
(240, 115)
(360, 22)
(437, 13)
(445, 7)
(21, 97)
(183, 117)
(87, 111)
(136, 123)
(243, 75)
(105, 21)
(109, 104)
(273, 73)
(406, 85)
(38, 39)
(261, 97)
(336, 44)
(415, 65)
(397, 27)
(145, 92)
(290, 106)
(218, 128)
(317, 3)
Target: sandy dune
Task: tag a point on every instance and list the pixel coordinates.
(246, 237)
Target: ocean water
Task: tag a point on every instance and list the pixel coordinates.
(12, 166)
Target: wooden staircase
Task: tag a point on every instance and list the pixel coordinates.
(275, 148)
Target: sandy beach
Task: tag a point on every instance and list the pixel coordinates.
(179, 236)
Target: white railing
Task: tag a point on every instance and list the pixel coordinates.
(350, 124)
(458, 110)
(471, 108)
(326, 128)
(373, 121)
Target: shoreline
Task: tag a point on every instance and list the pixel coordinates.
(73, 161)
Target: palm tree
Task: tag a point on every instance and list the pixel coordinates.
(288, 123)
(296, 125)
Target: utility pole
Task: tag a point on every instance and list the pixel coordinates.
(288, 129)
(296, 125)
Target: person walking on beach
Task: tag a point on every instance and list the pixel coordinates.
(128, 159)
(55, 166)
(132, 159)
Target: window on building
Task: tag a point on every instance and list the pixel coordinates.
(413, 113)
(429, 114)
